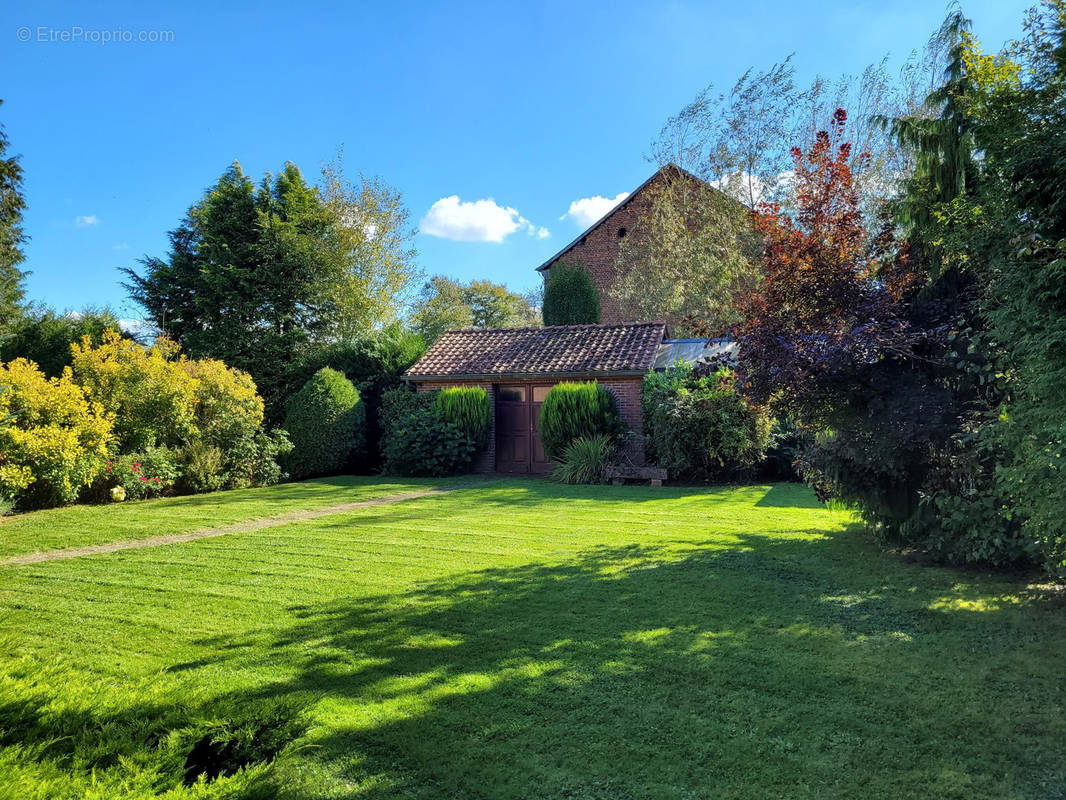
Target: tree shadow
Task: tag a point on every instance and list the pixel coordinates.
(668, 670)
(789, 495)
(771, 666)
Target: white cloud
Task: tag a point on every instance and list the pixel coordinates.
(745, 187)
(475, 221)
(120, 246)
(86, 221)
(591, 209)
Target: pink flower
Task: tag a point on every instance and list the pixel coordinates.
(142, 478)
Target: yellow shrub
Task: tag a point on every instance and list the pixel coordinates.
(147, 389)
(53, 440)
(228, 406)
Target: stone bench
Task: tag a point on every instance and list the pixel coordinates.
(619, 475)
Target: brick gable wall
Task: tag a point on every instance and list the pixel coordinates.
(597, 253)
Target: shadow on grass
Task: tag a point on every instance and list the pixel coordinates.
(769, 667)
(789, 495)
(751, 670)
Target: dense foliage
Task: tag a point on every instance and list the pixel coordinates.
(374, 363)
(325, 422)
(469, 409)
(837, 338)
(54, 440)
(445, 304)
(699, 425)
(569, 297)
(126, 415)
(585, 460)
(571, 411)
(925, 368)
(417, 440)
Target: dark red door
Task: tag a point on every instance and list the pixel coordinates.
(512, 429)
(518, 447)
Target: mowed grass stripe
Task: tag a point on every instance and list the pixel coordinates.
(245, 526)
(76, 526)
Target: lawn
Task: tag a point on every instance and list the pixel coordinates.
(521, 639)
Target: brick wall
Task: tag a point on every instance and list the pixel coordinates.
(597, 253)
(625, 390)
(627, 393)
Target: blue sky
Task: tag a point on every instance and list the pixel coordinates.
(530, 105)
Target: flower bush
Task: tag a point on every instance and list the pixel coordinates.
(142, 475)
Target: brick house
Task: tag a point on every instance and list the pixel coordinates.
(519, 365)
(597, 250)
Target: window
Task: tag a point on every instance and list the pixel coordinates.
(539, 393)
(514, 394)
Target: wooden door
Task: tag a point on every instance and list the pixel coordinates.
(512, 429)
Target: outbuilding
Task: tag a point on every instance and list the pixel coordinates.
(517, 366)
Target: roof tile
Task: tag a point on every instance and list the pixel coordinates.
(555, 350)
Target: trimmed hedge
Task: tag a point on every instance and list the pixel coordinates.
(574, 410)
(467, 407)
(325, 421)
(569, 297)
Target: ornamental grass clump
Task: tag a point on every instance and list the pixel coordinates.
(585, 460)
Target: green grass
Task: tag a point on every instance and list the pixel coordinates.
(81, 526)
(524, 639)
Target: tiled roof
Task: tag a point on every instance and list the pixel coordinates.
(560, 350)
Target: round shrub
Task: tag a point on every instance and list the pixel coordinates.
(570, 298)
(325, 423)
(574, 410)
(467, 407)
(53, 442)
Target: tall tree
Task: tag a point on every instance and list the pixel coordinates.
(251, 276)
(444, 304)
(940, 138)
(692, 252)
(375, 238)
(12, 237)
